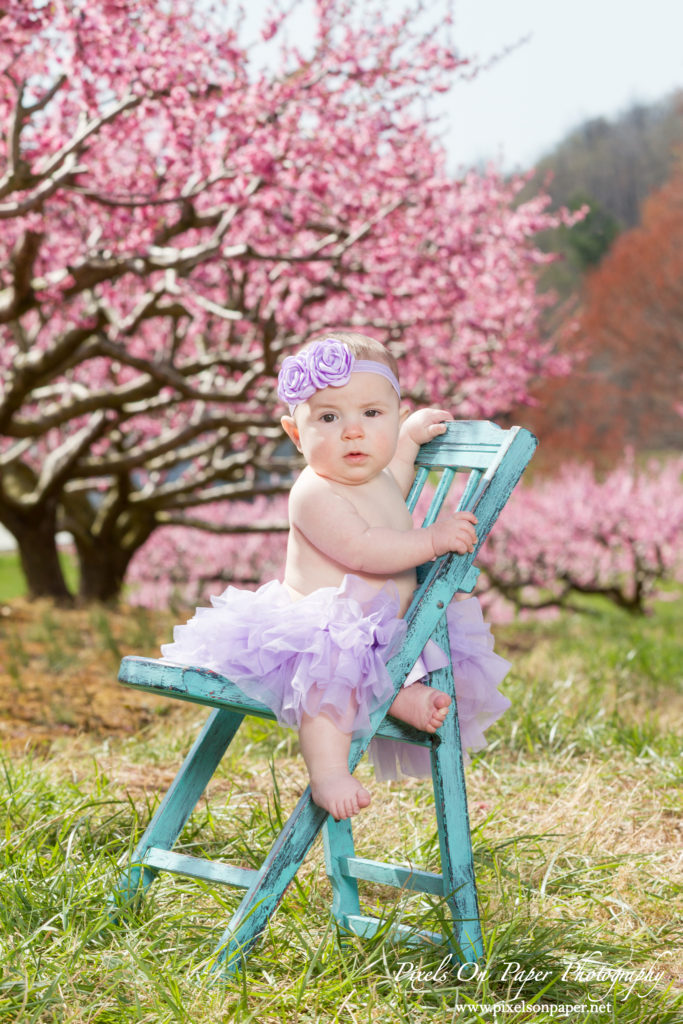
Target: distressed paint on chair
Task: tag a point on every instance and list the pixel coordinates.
(496, 459)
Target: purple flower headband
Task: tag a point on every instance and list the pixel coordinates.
(326, 364)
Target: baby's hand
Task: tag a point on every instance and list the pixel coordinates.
(423, 425)
(455, 533)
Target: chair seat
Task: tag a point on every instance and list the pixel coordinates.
(204, 686)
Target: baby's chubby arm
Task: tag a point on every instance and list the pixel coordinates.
(332, 524)
(416, 429)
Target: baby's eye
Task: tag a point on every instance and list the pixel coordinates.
(328, 417)
(373, 412)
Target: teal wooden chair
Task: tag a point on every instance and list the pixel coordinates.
(495, 459)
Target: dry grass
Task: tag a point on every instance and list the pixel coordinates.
(575, 812)
(58, 674)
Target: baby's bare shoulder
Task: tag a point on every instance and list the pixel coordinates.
(315, 495)
(309, 485)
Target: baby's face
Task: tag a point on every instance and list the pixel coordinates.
(348, 434)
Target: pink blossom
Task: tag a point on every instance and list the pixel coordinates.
(617, 535)
(176, 219)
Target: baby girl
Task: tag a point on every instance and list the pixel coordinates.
(314, 648)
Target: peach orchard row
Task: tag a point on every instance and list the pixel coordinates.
(571, 534)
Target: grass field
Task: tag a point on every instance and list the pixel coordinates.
(576, 818)
(12, 584)
(11, 580)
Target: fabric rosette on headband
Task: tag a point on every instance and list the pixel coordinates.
(330, 364)
(326, 364)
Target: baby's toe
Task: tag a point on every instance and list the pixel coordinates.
(438, 717)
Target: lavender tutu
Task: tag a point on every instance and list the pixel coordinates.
(477, 673)
(327, 653)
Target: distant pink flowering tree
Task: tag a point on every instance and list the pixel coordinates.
(617, 536)
(174, 218)
(181, 566)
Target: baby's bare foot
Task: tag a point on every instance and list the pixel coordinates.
(337, 792)
(421, 706)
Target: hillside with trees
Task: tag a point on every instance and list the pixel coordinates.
(608, 168)
(627, 388)
(616, 163)
(619, 286)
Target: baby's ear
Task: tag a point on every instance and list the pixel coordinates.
(290, 428)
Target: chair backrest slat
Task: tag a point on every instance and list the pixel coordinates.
(421, 477)
(471, 488)
(442, 489)
(480, 448)
(471, 444)
(467, 446)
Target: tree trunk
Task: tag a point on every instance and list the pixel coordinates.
(35, 531)
(103, 567)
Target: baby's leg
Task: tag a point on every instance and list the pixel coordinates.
(421, 706)
(325, 750)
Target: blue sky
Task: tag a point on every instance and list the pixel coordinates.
(581, 59)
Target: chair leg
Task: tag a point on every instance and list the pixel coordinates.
(277, 871)
(455, 842)
(179, 802)
(338, 842)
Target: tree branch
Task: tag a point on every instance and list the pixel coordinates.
(47, 188)
(18, 175)
(56, 468)
(195, 523)
(175, 444)
(19, 296)
(57, 416)
(32, 368)
(243, 489)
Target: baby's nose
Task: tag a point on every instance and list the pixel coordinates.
(353, 428)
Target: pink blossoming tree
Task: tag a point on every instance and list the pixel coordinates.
(616, 536)
(180, 567)
(174, 218)
(574, 533)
